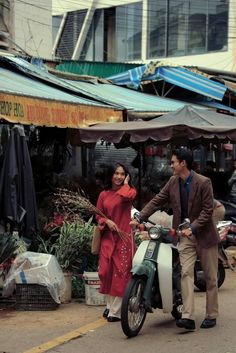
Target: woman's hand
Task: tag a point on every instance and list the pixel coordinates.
(133, 223)
(127, 179)
(112, 226)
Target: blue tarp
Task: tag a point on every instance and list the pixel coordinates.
(175, 75)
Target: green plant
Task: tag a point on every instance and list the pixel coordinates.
(78, 287)
(8, 247)
(72, 245)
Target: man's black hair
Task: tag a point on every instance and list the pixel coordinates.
(184, 154)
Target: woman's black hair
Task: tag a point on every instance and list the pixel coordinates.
(184, 154)
(111, 171)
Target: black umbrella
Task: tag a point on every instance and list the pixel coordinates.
(17, 192)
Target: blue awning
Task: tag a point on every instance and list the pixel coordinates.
(175, 75)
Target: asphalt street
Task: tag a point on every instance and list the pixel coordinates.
(79, 328)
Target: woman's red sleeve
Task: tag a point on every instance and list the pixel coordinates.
(127, 193)
(101, 220)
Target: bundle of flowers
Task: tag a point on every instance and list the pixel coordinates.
(74, 203)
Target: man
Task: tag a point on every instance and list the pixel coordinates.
(191, 196)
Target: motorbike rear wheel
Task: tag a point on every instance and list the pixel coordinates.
(133, 312)
(199, 279)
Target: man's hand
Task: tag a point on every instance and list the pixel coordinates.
(133, 223)
(186, 232)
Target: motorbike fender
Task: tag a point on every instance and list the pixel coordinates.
(144, 269)
(147, 269)
(164, 260)
(140, 253)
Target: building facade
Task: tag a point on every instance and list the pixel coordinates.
(185, 32)
(28, 25)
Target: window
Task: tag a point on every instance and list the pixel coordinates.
(56, 21)
(217, 25)
(72, 27)
(93, 46)
(128, 32)
(197, 27)
(177, 27)
(186, 27)
(157, 16)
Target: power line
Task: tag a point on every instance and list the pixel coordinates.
(193, 3)
(33, 5)
(118, 27)
(130, 21)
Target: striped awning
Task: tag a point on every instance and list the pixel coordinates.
(178, 76)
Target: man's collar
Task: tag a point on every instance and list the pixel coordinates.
(188, 179)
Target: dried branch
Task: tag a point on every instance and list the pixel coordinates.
(73, 202)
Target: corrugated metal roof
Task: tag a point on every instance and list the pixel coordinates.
(42, 84)
(26, 99)
(130, 99)
(14, 83)
(215, 105)
(41, 74)
(91, 68)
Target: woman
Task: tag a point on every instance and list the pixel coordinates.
(117, 245)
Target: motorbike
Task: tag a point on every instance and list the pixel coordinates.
(155, 281)
(230, 239)
(230, 210)
(223, 228)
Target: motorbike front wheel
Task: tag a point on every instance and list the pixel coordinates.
(133, 312)
(177, 310)
(199, 279)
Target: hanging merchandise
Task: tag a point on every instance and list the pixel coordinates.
(150, 151)
(17, 194)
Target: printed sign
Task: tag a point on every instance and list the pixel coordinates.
(42, 112)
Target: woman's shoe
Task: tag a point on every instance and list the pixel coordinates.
(113, 319)
(105, 313)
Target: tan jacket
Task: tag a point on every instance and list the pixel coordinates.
(200, 207)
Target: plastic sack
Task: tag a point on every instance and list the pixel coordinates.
(159, 217)
(162, 218)
(37, 268)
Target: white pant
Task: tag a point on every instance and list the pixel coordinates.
(114, 306)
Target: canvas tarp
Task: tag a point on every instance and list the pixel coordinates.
(178, 76)
(186, 124)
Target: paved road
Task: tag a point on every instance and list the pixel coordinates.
(160, 334)
(77, 328)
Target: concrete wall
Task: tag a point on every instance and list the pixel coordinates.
(31, 26)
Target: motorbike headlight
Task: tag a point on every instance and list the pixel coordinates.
(154, 232)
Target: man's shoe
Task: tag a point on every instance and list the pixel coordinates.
(113, 319)
(208, 323)
(186, 323)
(105, 313)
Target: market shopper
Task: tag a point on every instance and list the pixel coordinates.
(117, 245)
(191, 196)
(232, 184)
